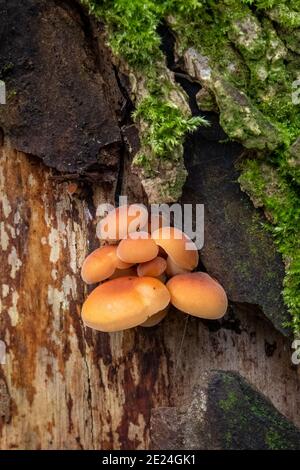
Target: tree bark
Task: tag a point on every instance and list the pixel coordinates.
(64, 386)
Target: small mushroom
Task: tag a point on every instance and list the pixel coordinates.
(198, 294)
(124, 303)
(155, 319)
(173, 268)
(178, 246)
(137, 248)
(121, 221)
(155, 267)
(72, 188)
(123, 273)
(101, 264)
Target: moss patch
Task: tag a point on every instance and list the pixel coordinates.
(269, 189)
(243, 418)
(228, 403)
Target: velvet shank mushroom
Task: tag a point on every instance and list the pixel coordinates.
(198, 294)
(154, 268)
(182, 251)
(129, 272)
(101, 264)
(124, 303)
(137, 248)
(155, 319)
(121, 221)
(156, 221)
(172, 268)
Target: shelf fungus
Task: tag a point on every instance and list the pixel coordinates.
(142, 272)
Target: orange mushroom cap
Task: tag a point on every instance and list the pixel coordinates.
(198, 294)
(121, 221)
(154, 267)
(155, 319)
(101, 264)
(123, 273)
(124, 303)
(178, 246)
(173, 268)
(137, 248)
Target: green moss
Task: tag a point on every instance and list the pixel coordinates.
(272, 190)
(253, 90)
(246, 51)
(228, 439)
(174, 187)
(166, 124)
(132, 29)
(274, 440)
(246, 419)
(229, 403)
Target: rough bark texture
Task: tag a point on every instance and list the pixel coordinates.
(63, 385)
(63, 98)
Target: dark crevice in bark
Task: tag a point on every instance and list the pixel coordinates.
(229, 322)
(128, 107)
(120, 177)
(125, 120)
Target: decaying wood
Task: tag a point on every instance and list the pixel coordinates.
(64, 386)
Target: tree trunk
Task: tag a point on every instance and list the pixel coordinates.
(65, 386)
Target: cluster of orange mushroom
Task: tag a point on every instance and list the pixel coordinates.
(142, 269)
